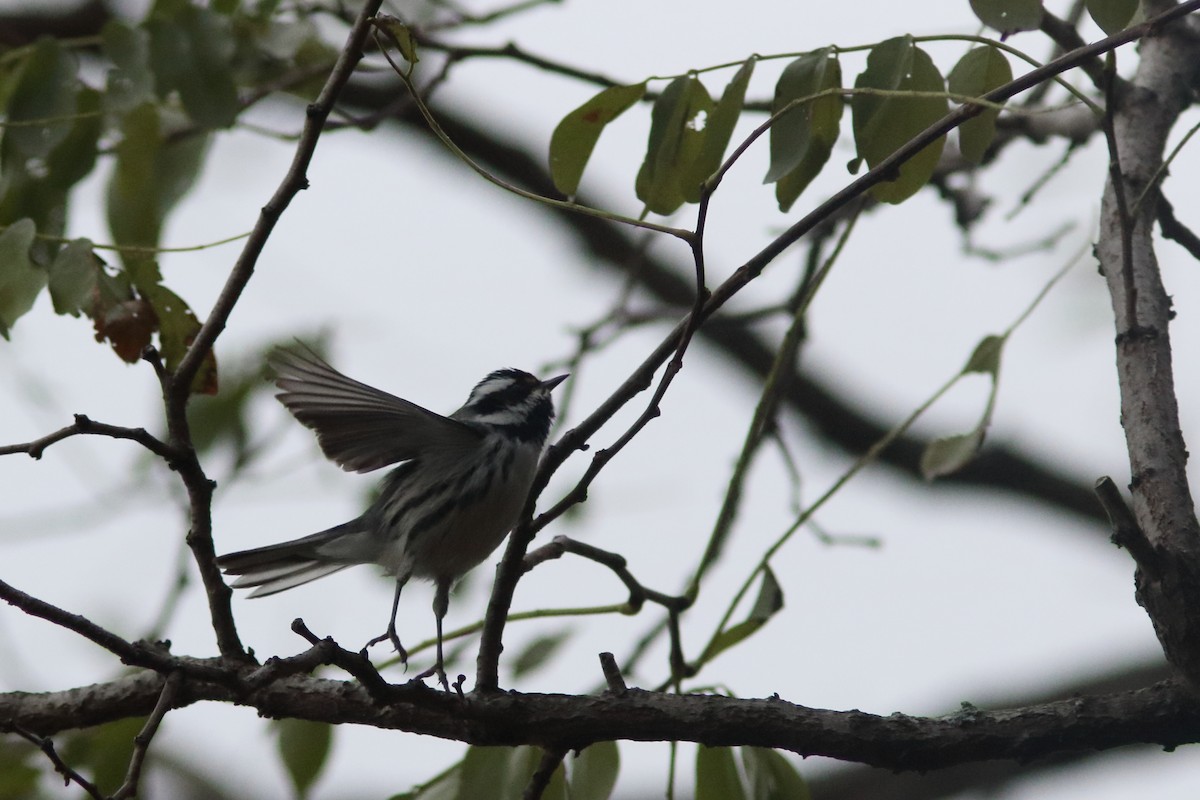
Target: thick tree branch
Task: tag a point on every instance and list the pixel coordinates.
(1142, 117)
(1165, 714)
(27, 22)
(865, 783)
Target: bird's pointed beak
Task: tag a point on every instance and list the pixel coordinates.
(550, 383)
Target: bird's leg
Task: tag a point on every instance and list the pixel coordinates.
(441, 602)
(390, 633)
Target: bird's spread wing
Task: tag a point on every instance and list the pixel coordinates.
(360, 427)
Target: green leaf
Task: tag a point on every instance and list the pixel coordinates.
(575, 137)
(766, 605)
(402, 35)
(38, 174)
(1112, 15)
(716, 775)
(594, 772)
(977, 73)
(129, 82)
(883, 123)
(40, 108)
(20, 279)
(676, 136)
(538, 652)
(811, 123)
(150, 177)
(1009, 16)
(304, 748)
(483, 774)
(950, 454)
(717, 133)
(772, 777)
(803, 137)
(191, 51)
(75, 156)
(986, 356)
(49, 142)
(72, 277)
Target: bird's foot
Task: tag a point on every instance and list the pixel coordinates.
(440, 672)
(389, 636)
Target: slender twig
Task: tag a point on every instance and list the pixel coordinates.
(1175, 230)
(774, 385)
(1160, 171)
(869, 457)
(619, 317)
(510, 569)
(1126, 532)
(463, 17)
(46, 745)
(150, 655)
(1116, 181)
(83, 426)
(452, 146)
(512, 52)
(327, 651)
(1055, 28)
(75, 623)
(765, 410)
(141, 742)
(612, 674)
(638, 594)
(552, 758)
(1066, 36)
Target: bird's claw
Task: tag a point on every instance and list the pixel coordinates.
(437, 670)
(389, 636)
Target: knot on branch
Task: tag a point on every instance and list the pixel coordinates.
(1137, 333)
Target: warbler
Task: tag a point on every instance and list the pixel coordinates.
(461, 482)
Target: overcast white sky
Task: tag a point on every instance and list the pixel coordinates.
(428, 279)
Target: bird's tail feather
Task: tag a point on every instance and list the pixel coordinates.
(277, 567)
